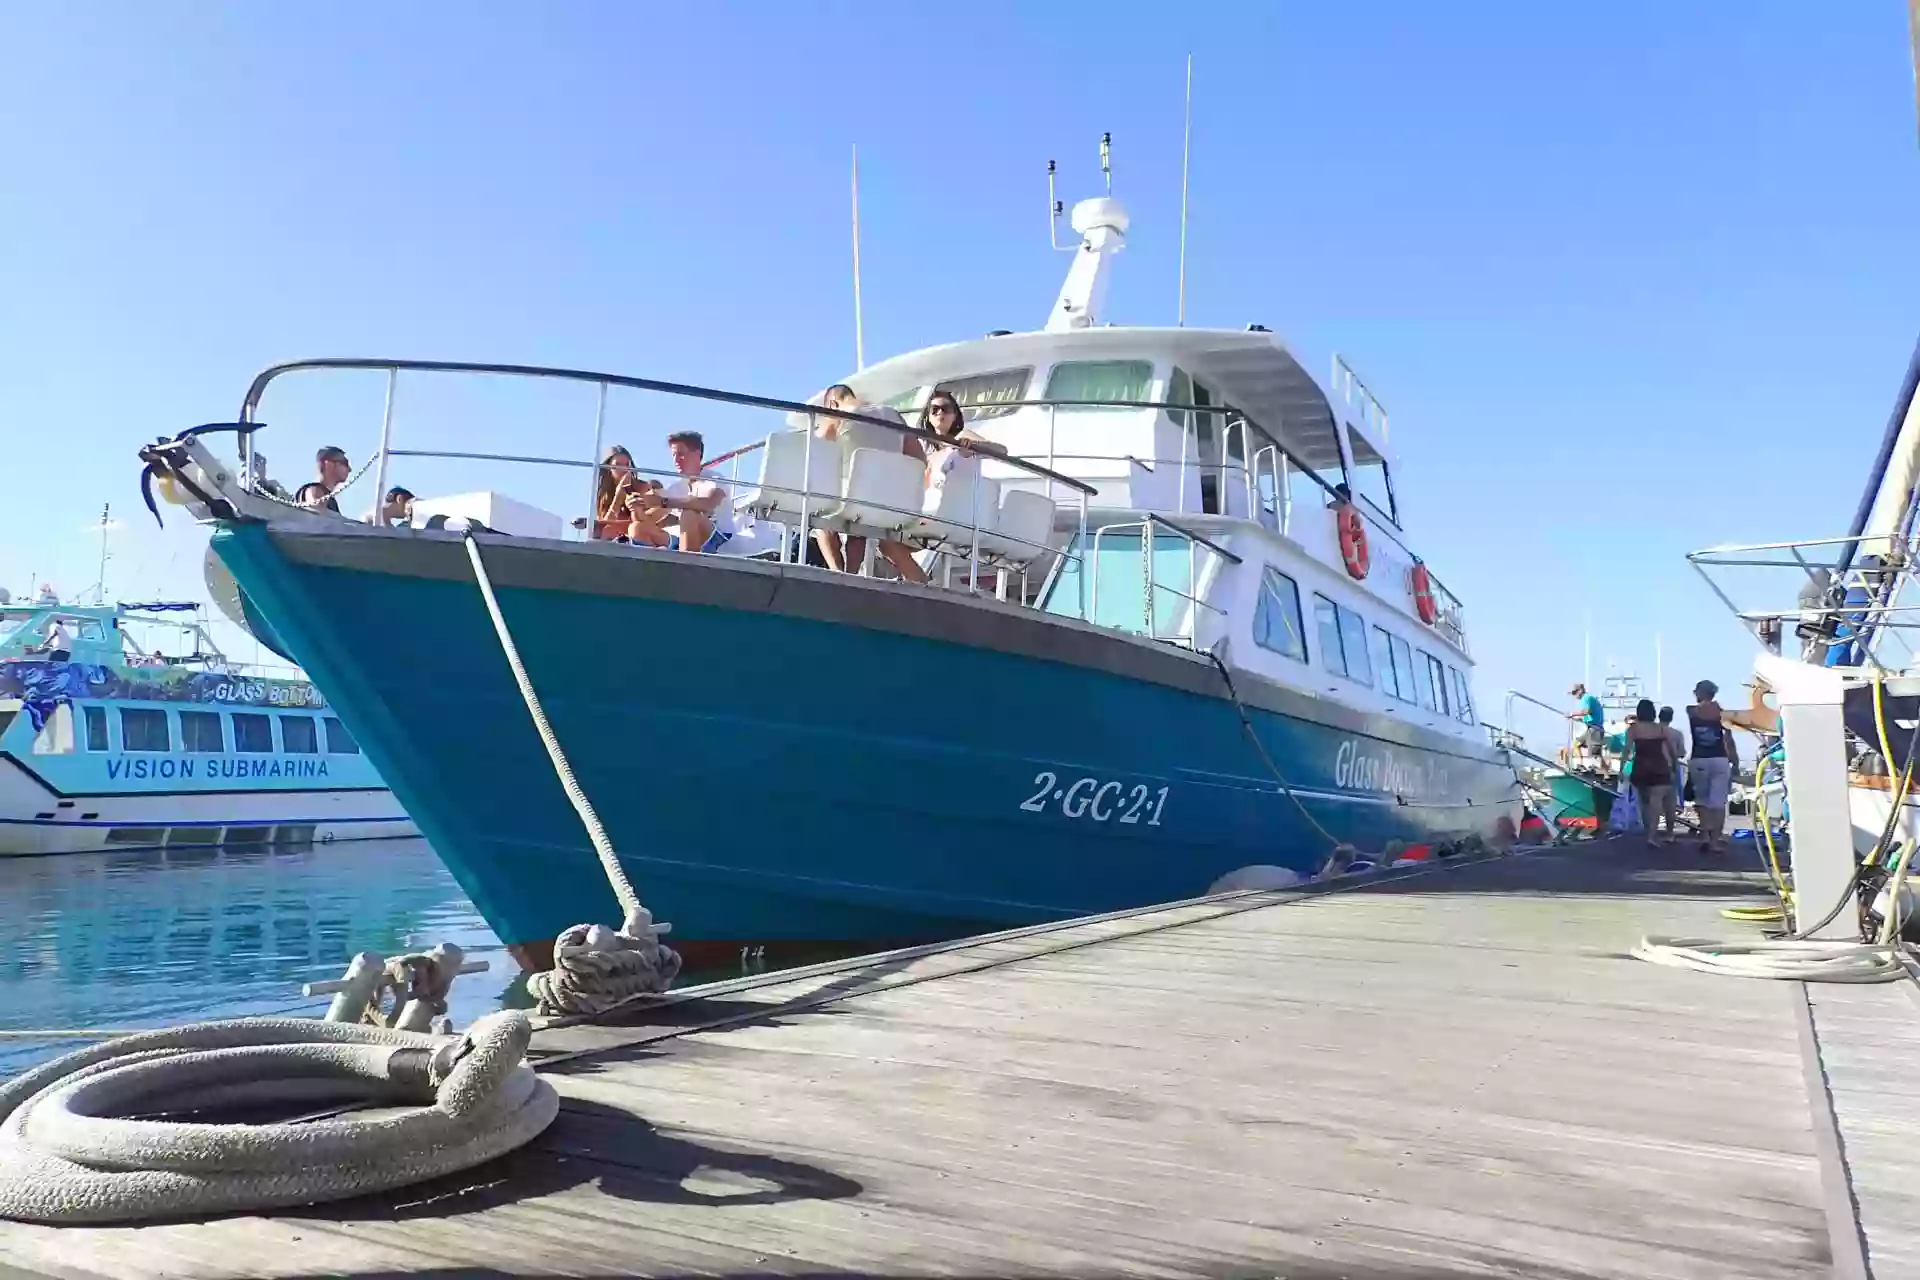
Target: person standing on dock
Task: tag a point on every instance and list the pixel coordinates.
(1714, 757)
(1650, 753)
(1679, 741)
(1593, 719)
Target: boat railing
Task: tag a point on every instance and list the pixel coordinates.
(1840, 615)
(1513, 735)
(1151, 587)
(813, 503)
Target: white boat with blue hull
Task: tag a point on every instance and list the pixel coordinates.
(106, 745)
(1174, 638)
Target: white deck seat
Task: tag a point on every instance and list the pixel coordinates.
(951, 510)
(884, 490)
(786, 469)
(1026, 522)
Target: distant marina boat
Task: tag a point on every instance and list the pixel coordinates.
(105, 744)
(1176, 641)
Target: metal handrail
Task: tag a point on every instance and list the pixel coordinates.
(257, 389)
(393, 367)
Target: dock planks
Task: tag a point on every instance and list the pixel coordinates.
(1454, 1074)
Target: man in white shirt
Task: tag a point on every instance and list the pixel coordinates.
(697, 502)
(58, 645)
(853, 434)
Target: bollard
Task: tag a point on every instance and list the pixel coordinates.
(351, 991)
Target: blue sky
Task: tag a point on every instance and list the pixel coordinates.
(1628, 278)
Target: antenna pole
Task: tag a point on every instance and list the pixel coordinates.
(106, 512)
(1659, 670)
(1186, 159)
(1106, 157)
(859, 330)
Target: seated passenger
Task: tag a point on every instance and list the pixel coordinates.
(617, 502)
(395, 510)
(697, 502)
(317, 495)
(944, 418)
(853, 434)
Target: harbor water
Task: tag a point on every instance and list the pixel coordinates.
(159, 937)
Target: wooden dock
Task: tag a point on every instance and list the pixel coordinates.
(1449, 1074)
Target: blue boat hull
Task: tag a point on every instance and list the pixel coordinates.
(772, 772)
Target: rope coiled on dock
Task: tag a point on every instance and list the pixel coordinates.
(72, 1151)
(595, 968)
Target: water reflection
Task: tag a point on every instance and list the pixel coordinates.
(158, 937)
(154, 937)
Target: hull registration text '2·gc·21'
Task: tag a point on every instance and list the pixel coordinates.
(1171, 637)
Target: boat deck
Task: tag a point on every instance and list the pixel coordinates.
(1445, 1074)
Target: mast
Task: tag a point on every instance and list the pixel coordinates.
(1186, 158)
(859, 331)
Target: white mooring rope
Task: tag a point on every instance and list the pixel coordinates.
(70, 1153)
(595, 968)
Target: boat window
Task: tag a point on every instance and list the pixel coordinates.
(7, 715)
(1114, 590)
(252, 733)
(1403, 669)
(96, 720)
(910, 399)
(1432, 676)
(1099, 380)
(1343, 640)
(297, 735)
(339, 741)
(202, 731)
(142, 729)
(1353, 639)
(978, 394)
(1396, 672)
(1462, 702)
(56, 732)
(1370, 479)
(1276, 619)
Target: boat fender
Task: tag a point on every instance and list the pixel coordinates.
(1256, 878)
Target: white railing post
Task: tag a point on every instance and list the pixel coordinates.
(806, 491)
(593, 463)
(1080, 543)
(1050, 454)
(386, 442)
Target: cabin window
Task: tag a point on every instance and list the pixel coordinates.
(1114, 592)
(1432, 676)
(96, 726)
(977, 395)
(297, 735)
(339, 741)
(1276, 619)
(252, 733)
(1343, 640)
(201, 731)
(906, 402)
(1403, 670)
(144, 730)
(1462, 702)
(1370, 480)
(1103, 380)
(1392, 659)
(56, 732)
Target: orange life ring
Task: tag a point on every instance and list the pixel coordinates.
(1353, 541)
(1423, 594)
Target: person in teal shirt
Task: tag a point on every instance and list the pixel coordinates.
(1592, 718)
